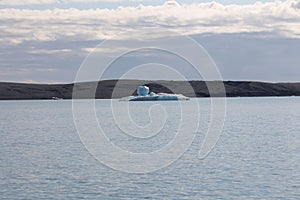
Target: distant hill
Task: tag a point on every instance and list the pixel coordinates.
(18, 91)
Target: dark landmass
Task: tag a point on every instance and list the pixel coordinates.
(22, 91)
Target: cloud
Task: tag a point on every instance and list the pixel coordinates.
(49, 51)
(39, 2)
(25, 2)
(94, 1)
(278, 18)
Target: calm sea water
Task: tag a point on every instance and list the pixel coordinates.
(257, 156)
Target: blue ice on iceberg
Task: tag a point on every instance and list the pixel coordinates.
(143, 91)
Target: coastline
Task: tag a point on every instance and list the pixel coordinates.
(105, 88)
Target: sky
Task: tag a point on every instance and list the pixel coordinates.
(46, 41)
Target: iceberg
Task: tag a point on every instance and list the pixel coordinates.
(144, 95)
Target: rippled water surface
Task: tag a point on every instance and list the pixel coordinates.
(257, 156)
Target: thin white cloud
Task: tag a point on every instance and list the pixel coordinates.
(109, 1)
(277, 18)
(25, 2)
(47, 51)
(39, 2)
